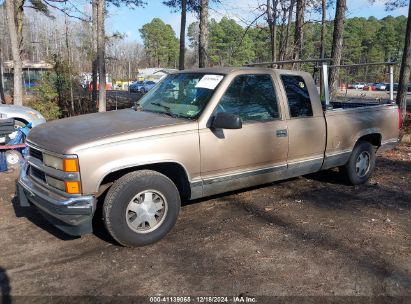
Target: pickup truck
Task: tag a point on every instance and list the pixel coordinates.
(196, 133)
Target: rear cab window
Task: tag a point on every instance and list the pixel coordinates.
(299, 102)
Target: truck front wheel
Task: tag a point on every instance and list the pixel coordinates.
(141, 208)
(361, 164)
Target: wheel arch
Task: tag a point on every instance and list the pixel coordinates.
(21, 119)
(173, 170)
(373, 138)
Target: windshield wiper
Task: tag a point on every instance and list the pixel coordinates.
(167, 108)
(161, 105)
(168, 111)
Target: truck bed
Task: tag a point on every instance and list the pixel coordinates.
(350, 105)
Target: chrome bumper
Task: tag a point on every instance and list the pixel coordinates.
(72, 215)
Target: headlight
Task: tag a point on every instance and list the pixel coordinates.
(66, 164)
(56, 183)
(53, 161)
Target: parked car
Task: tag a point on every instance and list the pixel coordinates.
(356, 85)
(387, 87)
(224, 129)
(370, 86)
(147, 86)
(381, 86)
(396, 87)
(21, 115)
(136, 87)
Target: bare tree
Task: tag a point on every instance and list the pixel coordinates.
(69, 62)
(285, 43)
(101, 45)
(271, 26)
(298, 33)
(322, 39)
(405, 71)
(336, 51)
(203, 39)
(323, 27)
(14, 13)
(94, 26)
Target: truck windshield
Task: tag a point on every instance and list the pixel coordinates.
(181, 95)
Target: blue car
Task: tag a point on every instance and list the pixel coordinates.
(136, 87)
(148, 85)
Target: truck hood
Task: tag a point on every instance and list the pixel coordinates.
(64, 135)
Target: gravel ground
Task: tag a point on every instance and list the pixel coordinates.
(312, 235)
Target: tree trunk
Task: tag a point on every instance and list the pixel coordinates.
(282, 31)
(203, 39)
(336, 51)
(14, 12)
(298, 34)
(101, 56)
(2, 96)
(69, 66)
(287, 33)
(275, 15)
(322, 39)
(182, 34)
(95, 59)
(405, 71)
(323, 28)
(270, 26)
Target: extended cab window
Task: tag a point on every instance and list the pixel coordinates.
(252, 97)
(299, 101)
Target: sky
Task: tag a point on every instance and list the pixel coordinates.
(129, 21)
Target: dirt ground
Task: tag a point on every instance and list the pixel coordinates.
(312, 235)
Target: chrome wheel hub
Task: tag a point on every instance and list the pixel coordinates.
(362, 165)
(146, 211)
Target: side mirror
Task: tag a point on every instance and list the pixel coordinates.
(224, 120)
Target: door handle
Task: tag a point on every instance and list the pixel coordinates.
(281, 133)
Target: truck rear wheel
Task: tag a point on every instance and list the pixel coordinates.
(141, 208)
(361, 164)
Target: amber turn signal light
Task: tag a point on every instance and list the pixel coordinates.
(70, 165)
(72, 187)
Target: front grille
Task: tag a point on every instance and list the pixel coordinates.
(36, 154)
(37, 173)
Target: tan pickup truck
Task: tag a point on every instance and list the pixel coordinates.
(196, 133)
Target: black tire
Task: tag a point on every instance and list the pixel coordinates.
(116, 213)
(357, 170)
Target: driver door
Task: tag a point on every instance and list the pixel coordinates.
(256, 153)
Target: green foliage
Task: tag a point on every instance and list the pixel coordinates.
(260, 37)
(229, 45)
(52, 94)
(175, 5)
(365, 40)
(46, 99)
(129, 3)
(160, 43)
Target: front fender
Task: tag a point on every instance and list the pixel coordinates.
(96, 163)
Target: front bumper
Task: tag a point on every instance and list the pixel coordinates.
(73, 215)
